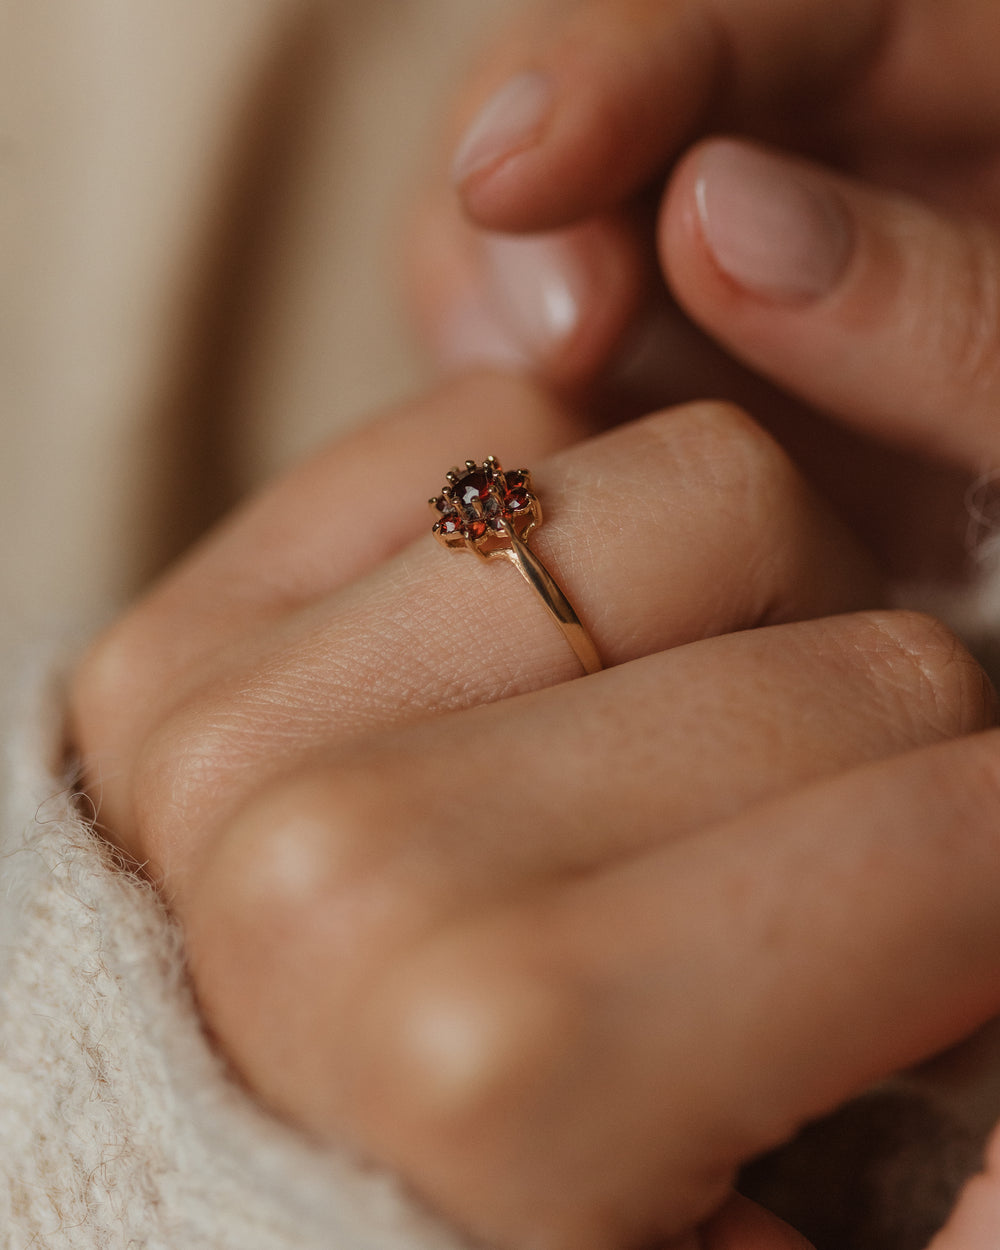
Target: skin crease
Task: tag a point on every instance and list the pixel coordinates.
(185, 754)
(566, 977)
(296, 925)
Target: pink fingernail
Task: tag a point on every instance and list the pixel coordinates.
(471, 334)
(774, 229)
(540, 286)
(509, 120)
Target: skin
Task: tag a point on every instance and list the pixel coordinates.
(393, 645)
(582, 1086)
(894, 109)
(390, 896)
(897, 120)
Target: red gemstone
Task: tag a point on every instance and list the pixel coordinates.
(515, 480)
(474, 529)
(449, 524)
(471, 489)
(518, 500)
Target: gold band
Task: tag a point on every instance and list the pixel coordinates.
(560, 609)
(493, 513)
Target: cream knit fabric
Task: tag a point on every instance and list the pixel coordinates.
(119, 1127)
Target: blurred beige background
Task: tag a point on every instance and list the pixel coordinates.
(199, 205)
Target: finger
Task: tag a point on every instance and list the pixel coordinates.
(592, 1065)
(869, 305)
(579, 307)
(337, 871)
(688, 524)
(557, 303)
(589, 110)
(975, 1222)
(742, 1225)
(697, 745)
(317, 528)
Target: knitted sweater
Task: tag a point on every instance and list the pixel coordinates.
(119, 1127)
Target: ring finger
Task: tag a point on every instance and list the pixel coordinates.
(684, 525)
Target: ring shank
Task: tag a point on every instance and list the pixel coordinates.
(559, 607)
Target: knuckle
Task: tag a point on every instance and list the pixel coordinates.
(759, 501)
(941, 683)
(204, 757)
(726, 450)
(470, 1029)
(307, 858)
(285, 921)
(177, 784)
(277, 860)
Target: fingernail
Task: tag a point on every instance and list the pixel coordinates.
(509, 120)
(470, 334)
(774, 229)
(540, 285)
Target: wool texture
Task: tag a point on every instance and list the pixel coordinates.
(119, 1126)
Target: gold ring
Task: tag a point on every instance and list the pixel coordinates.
(493, 513)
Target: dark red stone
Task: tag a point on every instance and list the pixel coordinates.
(477, 505)
(471, 489)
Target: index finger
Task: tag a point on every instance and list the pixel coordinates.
(585, 114)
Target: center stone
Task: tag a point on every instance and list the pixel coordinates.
(473, 488)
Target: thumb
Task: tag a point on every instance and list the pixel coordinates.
(866, 304)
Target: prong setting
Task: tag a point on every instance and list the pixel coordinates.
(484, 509)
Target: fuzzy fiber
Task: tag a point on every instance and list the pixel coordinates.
(118, 1125)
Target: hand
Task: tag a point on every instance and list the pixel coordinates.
(564, 953)
(864, 284)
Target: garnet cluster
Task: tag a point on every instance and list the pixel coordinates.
(483, 504)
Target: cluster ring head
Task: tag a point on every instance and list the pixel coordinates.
(485, 509)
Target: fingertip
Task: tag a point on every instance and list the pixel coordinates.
(567, 297)
(606, 96)
(834, 289)
(556, 304)
(774, 228)
(743, 1225)
(512, 120)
